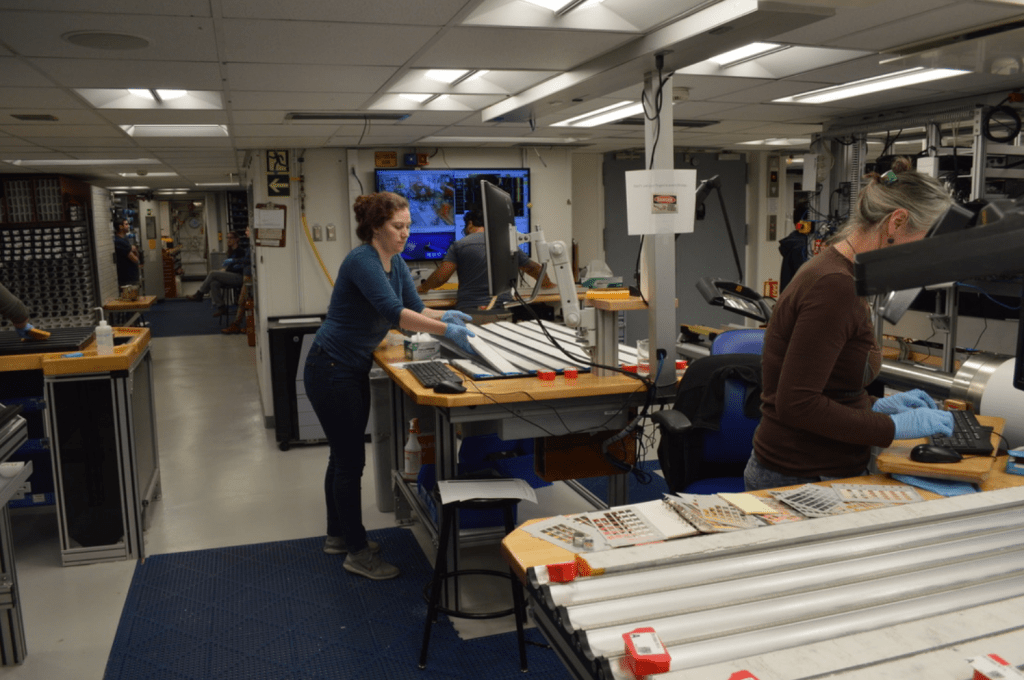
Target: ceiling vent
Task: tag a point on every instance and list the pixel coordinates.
(328, 116)
(34, 117)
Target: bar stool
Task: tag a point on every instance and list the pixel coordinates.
(449, 527)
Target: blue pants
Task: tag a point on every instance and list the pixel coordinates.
(757, 476)
(341, 401)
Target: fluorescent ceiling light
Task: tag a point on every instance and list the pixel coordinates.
(148, 174)
(612, 116)
(482, 72)
(80, 162)
(743, 53)
(176, 130)
(415, 97)
(857, 88)
(572, 121)
(539, 141)
(608, 114)
(217, 184)
(138, 188)
(561, 7)
(158, 95)
(793, 141)
(446, 75)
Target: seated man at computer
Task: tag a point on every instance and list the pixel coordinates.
(468, 256)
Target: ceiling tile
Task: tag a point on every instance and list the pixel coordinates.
(38, 34)
(309, 42)
(306, 78)
(433, 13)
(519, 49)
(297, 101)
(117, 73)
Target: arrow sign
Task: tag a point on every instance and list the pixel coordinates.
(278, 185)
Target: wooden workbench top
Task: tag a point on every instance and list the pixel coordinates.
(62, 363)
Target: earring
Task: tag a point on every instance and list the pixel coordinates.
(891, 240)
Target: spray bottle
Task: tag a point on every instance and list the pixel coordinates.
(104, 336)
(413, 452)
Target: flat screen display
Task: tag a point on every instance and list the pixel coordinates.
(439, 198)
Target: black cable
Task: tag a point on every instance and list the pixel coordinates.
(361, 191)
(366, 127)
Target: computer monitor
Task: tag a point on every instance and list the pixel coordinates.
(439, 199)
(499, 239)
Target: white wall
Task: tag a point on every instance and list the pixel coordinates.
(588, 206)
(290, 280)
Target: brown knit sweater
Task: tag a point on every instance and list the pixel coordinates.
(819, 355)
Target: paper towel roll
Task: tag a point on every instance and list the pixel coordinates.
(1003, 400)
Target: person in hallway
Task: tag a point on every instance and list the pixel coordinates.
(229, 276)
(468, 257)
(127, 255)
(15, 311)
(818, 421)
(373, 293)
(238, 325)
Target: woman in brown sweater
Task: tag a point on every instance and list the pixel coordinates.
(818, 422)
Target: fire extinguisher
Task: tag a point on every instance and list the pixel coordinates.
(250, 322)
(771, 289)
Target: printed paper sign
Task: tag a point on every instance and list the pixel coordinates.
(660, 201)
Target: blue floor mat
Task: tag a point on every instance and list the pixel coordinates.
(286, 610)
(651, 487)
(182, 317)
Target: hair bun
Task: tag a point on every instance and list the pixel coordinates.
(901, 164)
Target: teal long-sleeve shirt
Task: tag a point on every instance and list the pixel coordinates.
(365, 304)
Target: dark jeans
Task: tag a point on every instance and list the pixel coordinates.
(341, 400)
(757, 476)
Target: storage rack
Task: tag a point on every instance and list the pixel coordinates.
(238, 211)
(47, 254)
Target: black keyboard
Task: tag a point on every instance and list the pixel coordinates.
(970, 438)
(430, 373)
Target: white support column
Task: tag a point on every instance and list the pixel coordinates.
(659, 251)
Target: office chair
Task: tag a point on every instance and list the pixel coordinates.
(706, 438)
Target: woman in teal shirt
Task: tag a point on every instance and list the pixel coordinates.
(374, 292)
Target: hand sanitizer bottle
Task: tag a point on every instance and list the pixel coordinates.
(104, 337)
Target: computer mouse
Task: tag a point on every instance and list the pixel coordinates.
(449, 387)
(930, 453)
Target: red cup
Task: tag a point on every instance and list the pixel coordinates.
(570, 374)
(629, 368)
(546, 375)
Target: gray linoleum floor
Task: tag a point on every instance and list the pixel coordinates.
(224, 482)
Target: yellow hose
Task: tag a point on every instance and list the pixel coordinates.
(316, 251)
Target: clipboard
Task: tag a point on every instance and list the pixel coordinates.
(270, 220)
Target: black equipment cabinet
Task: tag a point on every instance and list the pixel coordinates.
(289, 339)
(102, 428)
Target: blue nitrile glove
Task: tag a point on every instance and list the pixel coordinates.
(228, 262)
(456, 317)
(23, 332)
(460, 336)
(922, 422)
(903, 401)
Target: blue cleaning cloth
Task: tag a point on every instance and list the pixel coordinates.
(939, 486)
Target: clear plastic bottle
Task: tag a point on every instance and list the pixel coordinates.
(104, 337)
(413, 452)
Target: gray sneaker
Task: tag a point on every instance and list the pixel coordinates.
(335, 545)
(369, 564)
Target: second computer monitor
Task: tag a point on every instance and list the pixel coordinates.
(499, 239)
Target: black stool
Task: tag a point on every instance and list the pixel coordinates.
(449, 526)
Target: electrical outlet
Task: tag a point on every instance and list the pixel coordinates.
(318, 232)
(332, 232)
(773, 228)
